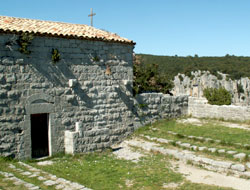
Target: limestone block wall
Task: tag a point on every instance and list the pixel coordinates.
(153, 106)
(198, 107)
(75, 89)
(147, 108)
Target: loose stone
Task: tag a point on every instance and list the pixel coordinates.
(178, 142)
(238, 167)
(163, 140)
(212, 150)
(202, 148)
(34, 188)
(185, 145)
(41, 178)
(191, 137)
(60, 186)
(199, 138)
(221, 151)
(208, 139)
(240, 156)
(194, 147)
(45, 163)
(248, 165)
(49, 183)
(218, 141)
(231, 152)
(26, 173)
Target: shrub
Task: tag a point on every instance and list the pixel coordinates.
(147, 78)
(24, 41)
(217, 96)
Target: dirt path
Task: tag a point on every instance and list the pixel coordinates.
(197, 175)
(191, 173)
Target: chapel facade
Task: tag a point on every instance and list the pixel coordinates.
(63, 88)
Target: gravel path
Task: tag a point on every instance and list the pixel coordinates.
(125, 152)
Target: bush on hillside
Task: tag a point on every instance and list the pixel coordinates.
(217, 96)
(147, 78)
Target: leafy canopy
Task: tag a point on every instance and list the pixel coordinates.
(217, 96)
(147, 78)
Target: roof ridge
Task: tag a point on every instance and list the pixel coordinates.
(57, 28)
(31, 19)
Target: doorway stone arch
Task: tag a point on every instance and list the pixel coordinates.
(39, 104)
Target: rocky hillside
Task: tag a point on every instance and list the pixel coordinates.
(193, 85)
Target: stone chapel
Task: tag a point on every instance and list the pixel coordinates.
(63, 88)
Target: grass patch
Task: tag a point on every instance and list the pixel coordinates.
(227, 136)
(194, 186)
(208, 130)
(104, 171)
(8, 184)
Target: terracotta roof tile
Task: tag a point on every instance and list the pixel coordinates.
(12, 24)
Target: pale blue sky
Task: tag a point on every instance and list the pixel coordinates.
(160, 27)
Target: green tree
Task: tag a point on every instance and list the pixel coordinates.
(217, 96)
(147, 78)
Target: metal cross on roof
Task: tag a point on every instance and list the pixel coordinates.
(91, 15)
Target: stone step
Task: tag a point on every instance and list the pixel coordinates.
(237, 155)
(17, 181)
(185, 155)
(202, 139)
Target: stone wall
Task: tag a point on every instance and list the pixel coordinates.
(78, 88)
(147, 108)
(194, 85)
(87, 95)
(154, 106)
(198, 107)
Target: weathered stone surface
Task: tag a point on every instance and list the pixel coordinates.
(222, 164)
(26, 173)
(201, 80)
(232, 152)
(193, 147)
(248, 165)
(49, 183)
(103, 104)
(202, 148)
(238, 167)
(199, 107)
(212, 150)
(208, 139)
(221, 151)
(240, 156)
(185, 145)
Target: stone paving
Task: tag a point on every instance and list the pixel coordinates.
(17, 181)
(46, 178)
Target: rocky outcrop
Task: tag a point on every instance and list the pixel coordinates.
(199, 80)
